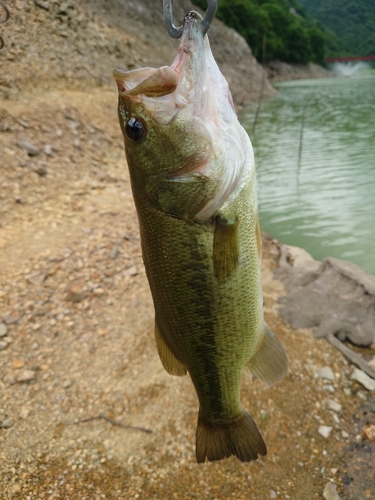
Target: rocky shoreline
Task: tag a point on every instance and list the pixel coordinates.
(278, 71)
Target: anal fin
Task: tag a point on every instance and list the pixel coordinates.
(169, 361)
(270, 363)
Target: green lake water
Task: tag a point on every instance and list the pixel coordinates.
(325, 202)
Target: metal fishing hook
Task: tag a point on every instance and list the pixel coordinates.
(2, 21)
(177, 32)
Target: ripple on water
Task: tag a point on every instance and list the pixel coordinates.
(326, 203)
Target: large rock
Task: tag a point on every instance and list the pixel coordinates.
(335, 296)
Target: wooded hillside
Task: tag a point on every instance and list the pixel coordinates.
(280, 25)
(353, 21)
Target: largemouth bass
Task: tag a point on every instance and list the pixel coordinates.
(193, 179)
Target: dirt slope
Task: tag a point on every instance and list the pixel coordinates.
(76, 45)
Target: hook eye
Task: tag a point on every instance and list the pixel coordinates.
(177, 32)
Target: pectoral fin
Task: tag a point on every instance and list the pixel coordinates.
(169, 361)
(225, 247)
(270, 363)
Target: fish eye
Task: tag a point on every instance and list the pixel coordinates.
(135, 129)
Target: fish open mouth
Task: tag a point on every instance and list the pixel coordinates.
(149, 82)
(180, 81)
(194, 90)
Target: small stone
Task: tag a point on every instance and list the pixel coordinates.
(329, 388)
(344, 434)
(98, 292)
(7, 424)
(67, 384)
(264, 414)
(8, 340)
(114, 253)
(48, 150)
(273, 494)
(361, 395)
(325, 430)
(3, 329)
(326, 373)
(347, 391)
(364, 379)
(11, 318)
(24, 123)
(125, 236)
(37, 278)
(330, 492)
(3, 345)
(24, 413)
(333, 405)
(26, 376)
(369, 432)
(18, 363)
(30, 149)
(334, 471)
(42, 4)
(131, 271)
(40, 169)
(371, 363)
(335, 418)
(75, 292)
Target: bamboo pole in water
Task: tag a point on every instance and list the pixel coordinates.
(262, 85)
(301, 138)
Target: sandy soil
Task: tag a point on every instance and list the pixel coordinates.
(77, 311)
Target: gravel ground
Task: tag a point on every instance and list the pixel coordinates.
(78, 317)
(86, 409)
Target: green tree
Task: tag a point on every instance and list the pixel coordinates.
(290, 36)
(317, 44)
(352, 21)
(298, 45)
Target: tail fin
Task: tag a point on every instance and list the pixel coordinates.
(240, 437)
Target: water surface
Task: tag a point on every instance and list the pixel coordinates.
(326, 202)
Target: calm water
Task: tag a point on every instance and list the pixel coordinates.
(327, 203)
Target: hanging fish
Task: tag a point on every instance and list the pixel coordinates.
(193, 179)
